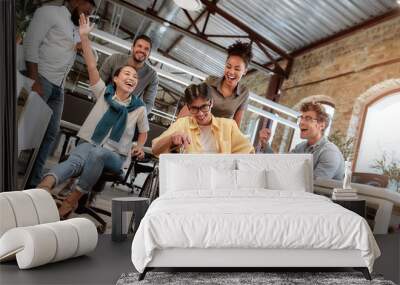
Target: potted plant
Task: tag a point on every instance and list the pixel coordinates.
(390, 169)
(344, 144)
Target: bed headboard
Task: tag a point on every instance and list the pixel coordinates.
(285, 164)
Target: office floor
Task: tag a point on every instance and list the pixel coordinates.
(102, 266)
(110, 259)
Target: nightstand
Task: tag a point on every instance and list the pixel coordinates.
(137, 205)
(358, 206)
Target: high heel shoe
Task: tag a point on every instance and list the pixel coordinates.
(69, 205)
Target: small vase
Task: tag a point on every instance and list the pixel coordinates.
(393, 185)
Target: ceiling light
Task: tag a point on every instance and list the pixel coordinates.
(172, 77)
(191, 5)
(278, 107)
(271, 116)
(163, 114)
(153, 55)
(163, 73)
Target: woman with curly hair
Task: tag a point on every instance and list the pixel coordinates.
(229, 96)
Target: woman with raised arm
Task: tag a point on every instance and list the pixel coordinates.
(229, 96)
(107, 133)
(201, 132)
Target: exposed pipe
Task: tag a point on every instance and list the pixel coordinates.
(156, 31)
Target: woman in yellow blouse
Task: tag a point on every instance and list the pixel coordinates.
(201, 132)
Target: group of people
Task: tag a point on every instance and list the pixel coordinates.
(125, 88)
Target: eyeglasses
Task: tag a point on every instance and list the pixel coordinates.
(204, 108)
(307, 119)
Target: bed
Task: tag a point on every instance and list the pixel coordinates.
(247, 211)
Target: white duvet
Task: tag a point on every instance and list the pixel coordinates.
(253, 218)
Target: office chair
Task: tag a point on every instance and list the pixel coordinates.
(85, 203)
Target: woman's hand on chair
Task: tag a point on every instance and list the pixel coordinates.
(138, 152)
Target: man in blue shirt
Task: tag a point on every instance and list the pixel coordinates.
(327, 158)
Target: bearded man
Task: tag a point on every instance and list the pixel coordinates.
(146, 88)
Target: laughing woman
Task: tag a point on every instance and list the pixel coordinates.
(201, 132)
(229, 96)
(106, 135)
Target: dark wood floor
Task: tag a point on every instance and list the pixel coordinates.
(102, 266)
(110, 259)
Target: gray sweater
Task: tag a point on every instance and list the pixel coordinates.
(328, 161)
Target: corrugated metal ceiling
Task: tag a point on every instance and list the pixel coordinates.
(293, 24)
(289, 24)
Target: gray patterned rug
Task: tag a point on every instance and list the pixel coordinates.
(242, 278)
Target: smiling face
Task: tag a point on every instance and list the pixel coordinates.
(235, 68)
(126, 80)
(200, 109)
(141, 50)
(310, 128)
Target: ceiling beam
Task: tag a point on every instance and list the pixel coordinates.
(213, 8)
(153, 16)
(180, 38)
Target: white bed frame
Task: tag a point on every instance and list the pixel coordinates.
(250, 258)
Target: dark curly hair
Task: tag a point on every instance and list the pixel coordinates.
(242, 50)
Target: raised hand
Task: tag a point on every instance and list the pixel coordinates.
(84, 26)
(84, 30)
(264, 135)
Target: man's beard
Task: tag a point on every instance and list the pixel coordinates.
(75, 17)
(142, 58)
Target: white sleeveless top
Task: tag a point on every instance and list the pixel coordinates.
(207, 139)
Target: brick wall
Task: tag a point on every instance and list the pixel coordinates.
(344, 70)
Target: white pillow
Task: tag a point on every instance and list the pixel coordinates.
(184, 177)
(284, 172)
(223, 179)
(293, 180)
(251, 178)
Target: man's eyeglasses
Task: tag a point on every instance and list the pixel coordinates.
(306, 119)
(204, 108)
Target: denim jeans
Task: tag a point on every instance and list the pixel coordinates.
(53, 95)
(88, 162)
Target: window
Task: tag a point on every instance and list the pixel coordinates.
(380, 133)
